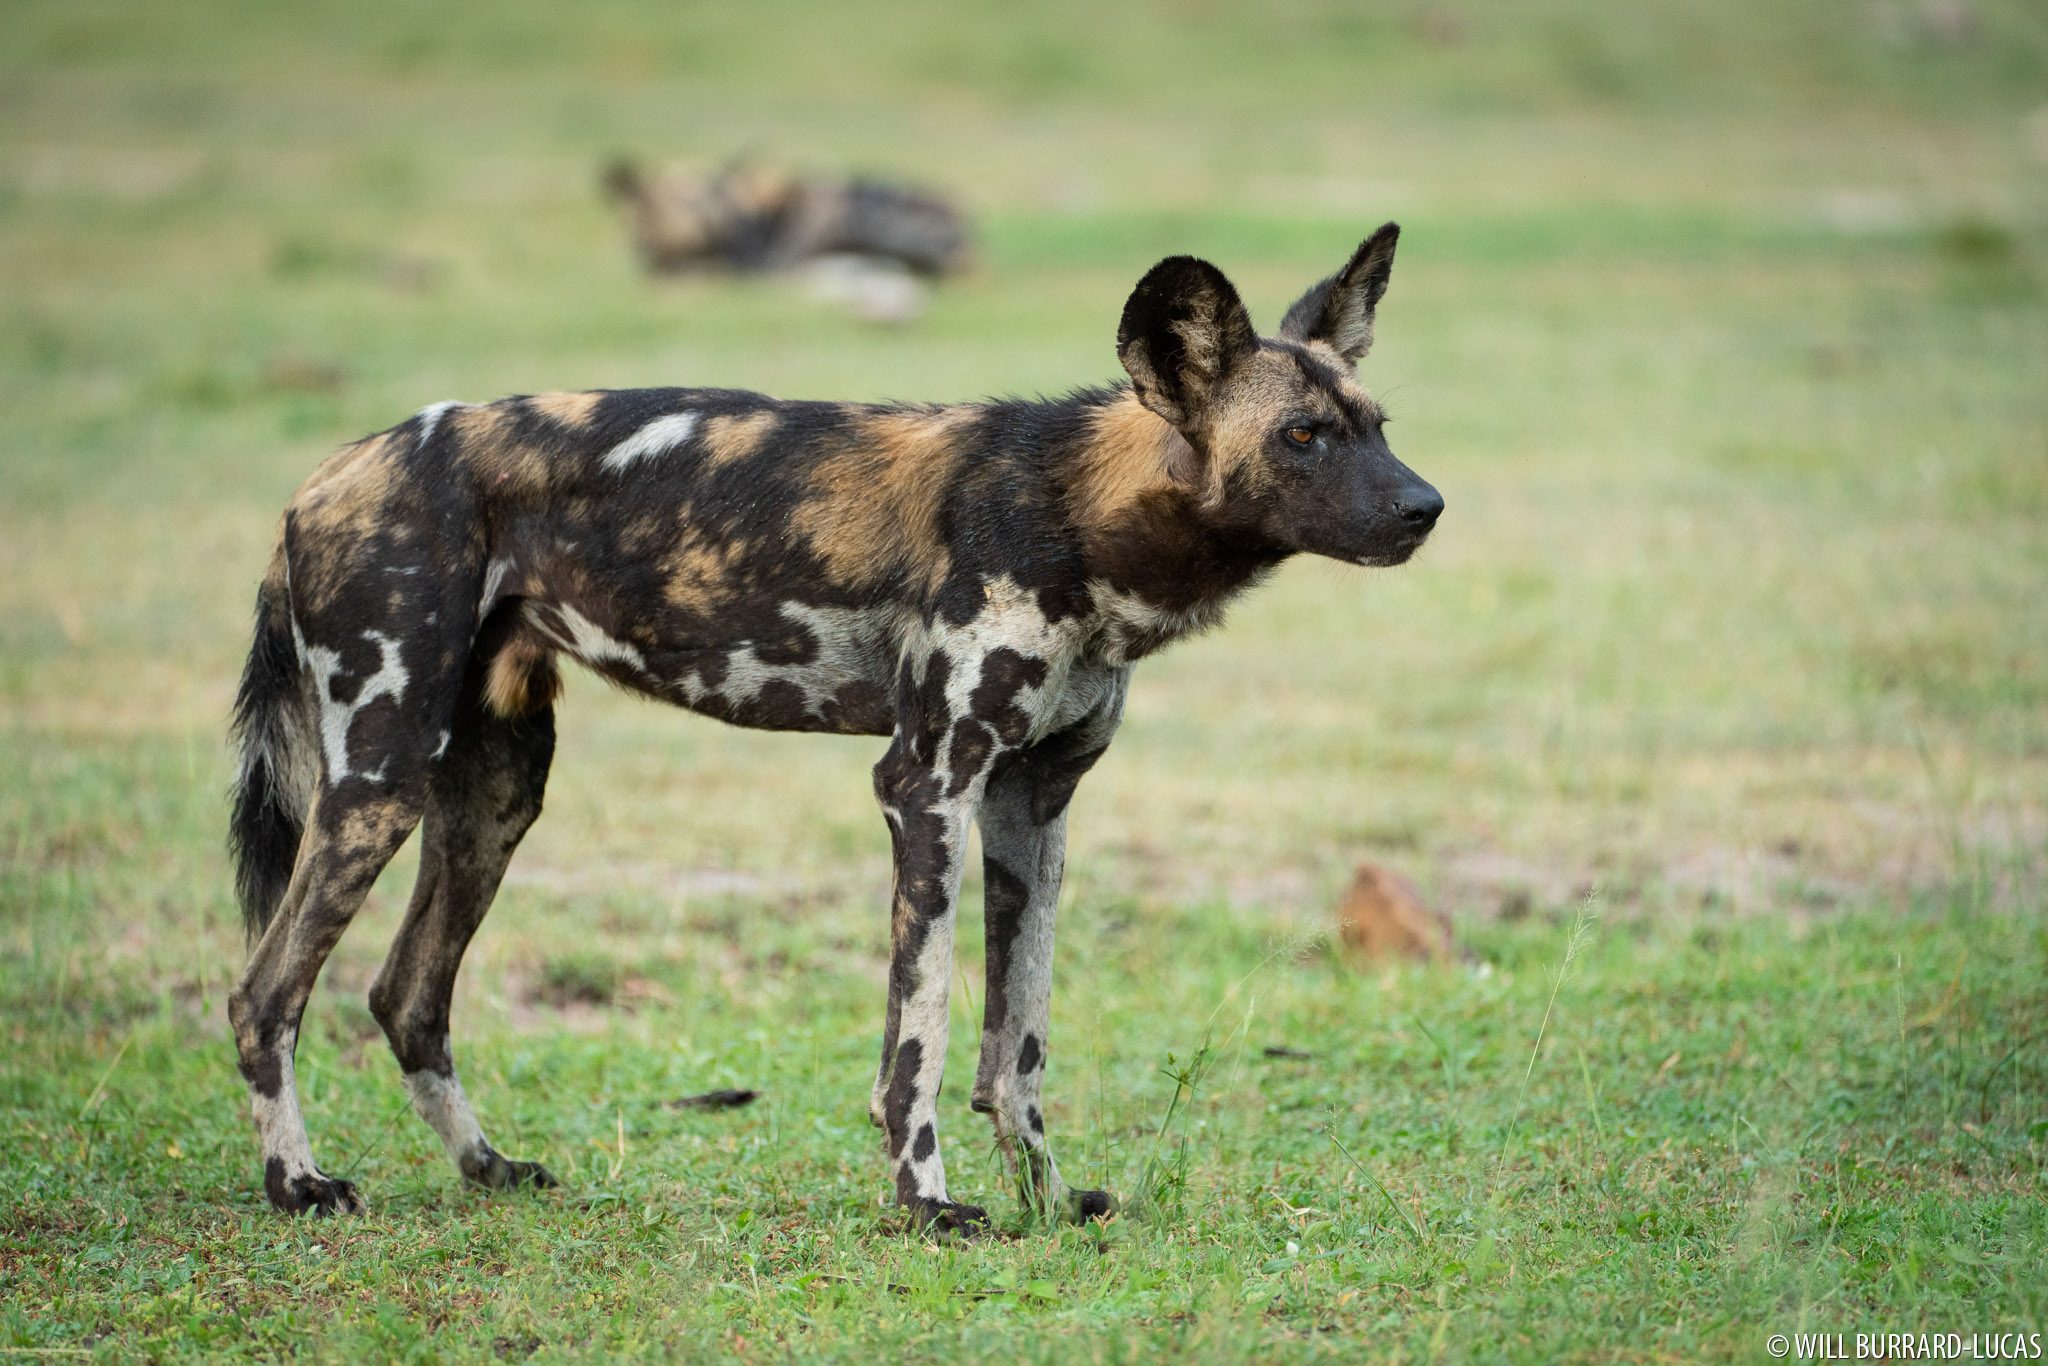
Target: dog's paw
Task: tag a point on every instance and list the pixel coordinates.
(493, 1170)
(1082, 1207)
(948, 1218)
(310, 1192)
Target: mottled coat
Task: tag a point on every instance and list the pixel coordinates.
(748, 218)
(972, 581)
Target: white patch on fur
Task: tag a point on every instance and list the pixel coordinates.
(582, 637)
(336, 717)
(1010, 619)
(1037, 853)
(440, 1102)
(851, 645)
(430, 418)
(658, 437)
(1129, 628)
(494, 581)
(279, 1126)
(442, 748)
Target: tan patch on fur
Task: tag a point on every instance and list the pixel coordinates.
(569, 409)
(1131, 452)
(1347, 377)
(504, 466)
(342, 469)
(703, 574)
(874, 505)
(336, 510)
(368, 829)
(728, 438)
(521, 678)
(1265, 392)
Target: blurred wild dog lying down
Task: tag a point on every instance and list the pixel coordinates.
(972, 581)
(748, 217)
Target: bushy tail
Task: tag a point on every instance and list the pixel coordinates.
(274, 779)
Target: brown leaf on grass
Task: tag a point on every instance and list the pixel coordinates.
(1382, 917)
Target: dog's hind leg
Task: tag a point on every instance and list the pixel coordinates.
(380, 668)
(485, 793)
(351, 833)
(1023, 820)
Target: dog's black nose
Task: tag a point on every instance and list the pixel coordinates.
(1419, 507)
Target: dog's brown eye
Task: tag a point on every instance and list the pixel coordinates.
(1300, 436)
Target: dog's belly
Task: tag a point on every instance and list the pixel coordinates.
(799, 667)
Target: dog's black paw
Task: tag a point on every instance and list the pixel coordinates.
(493, 1170)
(310, 1192)
(948, 1218)
(1082, 1207)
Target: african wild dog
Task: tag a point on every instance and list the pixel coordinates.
(749, 217)
(972, 581)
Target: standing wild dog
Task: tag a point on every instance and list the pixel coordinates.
(972, 581)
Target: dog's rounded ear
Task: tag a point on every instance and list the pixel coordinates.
(1339, 310)
(1184, 329)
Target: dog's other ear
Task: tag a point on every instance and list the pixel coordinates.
(1339, 310)
(1184, 329)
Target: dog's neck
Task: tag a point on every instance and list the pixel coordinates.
(1137, 494)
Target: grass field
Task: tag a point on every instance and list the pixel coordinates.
(1716, 712)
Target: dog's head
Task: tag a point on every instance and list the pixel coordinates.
(1281, 438)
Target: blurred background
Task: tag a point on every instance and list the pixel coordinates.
(1722, 328)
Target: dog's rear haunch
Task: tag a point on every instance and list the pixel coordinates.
(972, 581)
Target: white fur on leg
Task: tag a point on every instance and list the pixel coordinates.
(279, 1126)
(1005, 1085)
(441, 1103)
(924, 1018)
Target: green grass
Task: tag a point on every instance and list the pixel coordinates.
(1723, 331)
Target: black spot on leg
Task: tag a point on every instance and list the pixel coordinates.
(908, 791)
(907, 935)
(423, 1047)
(1003, 899)
(1055, 775)
(906, 1186)
(901, 1094)
(972, 744)
(927, 1142)
(1004, 673)
(1028, 1056)
(276, 1184)
(266, 1075)
(923, 858)
(892, 1025)
(1036, 1120)
(929, 713)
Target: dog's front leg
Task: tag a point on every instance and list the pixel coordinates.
(1023, 822)
(928, 813)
